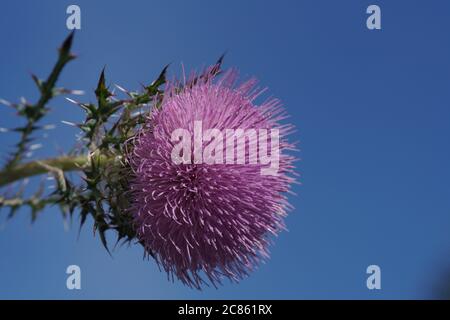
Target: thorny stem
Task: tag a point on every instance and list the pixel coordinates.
(33, 168)
(38, 110)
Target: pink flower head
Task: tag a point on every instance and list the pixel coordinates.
(201, 219)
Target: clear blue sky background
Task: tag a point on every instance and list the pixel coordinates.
(373, 115)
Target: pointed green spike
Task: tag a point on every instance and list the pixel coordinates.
(101, 86)
(218, 65)
(12, 212)
(38, 82)
(83, 215)
(162, 77)
(102, 92)
(101, 232)
(67, 45)
(153, 88)
(221, 58)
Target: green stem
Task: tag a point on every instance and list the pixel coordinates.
(33, 168)
(37, 111)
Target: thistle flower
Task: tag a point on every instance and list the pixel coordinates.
(195, 212)
(199, 219)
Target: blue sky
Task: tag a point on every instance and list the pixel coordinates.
(372, 109)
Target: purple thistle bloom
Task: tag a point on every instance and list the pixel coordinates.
(200, 219)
